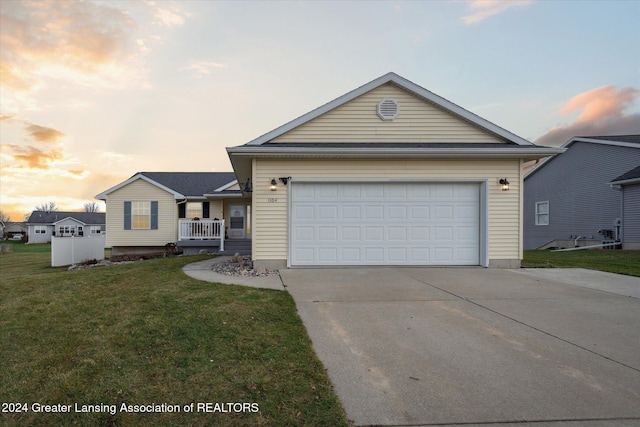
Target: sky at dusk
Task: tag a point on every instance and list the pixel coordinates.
(92, 92)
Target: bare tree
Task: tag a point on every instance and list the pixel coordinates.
(92, 207)
(47, 207)
(4, 218)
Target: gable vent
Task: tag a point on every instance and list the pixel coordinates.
(388, 109)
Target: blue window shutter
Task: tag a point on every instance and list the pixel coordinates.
(127, 215)
(154, 215)
(182, 212)
(205, 209)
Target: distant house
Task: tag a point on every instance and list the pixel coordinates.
(576, 198)
(10, 229)
(629, 184)
(43, 225)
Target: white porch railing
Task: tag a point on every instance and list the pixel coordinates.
(201, 229)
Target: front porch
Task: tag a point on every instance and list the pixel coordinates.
(196, 235)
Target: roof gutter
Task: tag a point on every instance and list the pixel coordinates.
(425, 153)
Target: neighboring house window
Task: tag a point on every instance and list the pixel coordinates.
(66, 230)
(40, 229)
(542, 213)
(194, 209)
(95, 229)
(141, 215)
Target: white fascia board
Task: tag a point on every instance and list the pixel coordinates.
(406, 85)
(223, 196)
(601, 141)
(66, 218)
(626, 181)
(224, 187)
(103, 195)
(300, 152)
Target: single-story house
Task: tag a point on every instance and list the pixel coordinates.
(152, 209)
(569, 200)
(629, 185)
(43, 225)
(387, 174)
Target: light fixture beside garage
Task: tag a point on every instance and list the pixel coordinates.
(504, 184)
(273, 184)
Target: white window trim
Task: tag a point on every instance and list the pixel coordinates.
(539, 214)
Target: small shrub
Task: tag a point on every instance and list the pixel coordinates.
(6, 249)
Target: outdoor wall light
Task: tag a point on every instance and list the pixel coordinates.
(285, 179)
(504, 183)
(273, 184)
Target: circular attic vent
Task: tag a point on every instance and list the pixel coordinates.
(388, 109)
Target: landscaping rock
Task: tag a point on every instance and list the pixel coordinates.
(241, 266)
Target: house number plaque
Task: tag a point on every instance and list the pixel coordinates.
(272, 200)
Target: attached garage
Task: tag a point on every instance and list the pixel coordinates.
(386, 223)
(387, 174)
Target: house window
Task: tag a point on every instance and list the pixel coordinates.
(542, 213)
(141, 215)
(194, 209)
(40, 229)
(95, 229)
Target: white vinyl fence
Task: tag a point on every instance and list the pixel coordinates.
(74, 250)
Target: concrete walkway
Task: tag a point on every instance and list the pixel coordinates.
(474, 346)
(202, 270)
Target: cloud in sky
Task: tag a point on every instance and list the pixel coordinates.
(203, 67)
(39, 149)
(483, 9)
(81, 42)
(602, 111)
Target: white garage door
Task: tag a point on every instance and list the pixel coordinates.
(391, 223)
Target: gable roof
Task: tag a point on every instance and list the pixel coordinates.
(629, 177)
(42, 217)
(407, 85)
(183, 185)
(507, 145)
(632, 141)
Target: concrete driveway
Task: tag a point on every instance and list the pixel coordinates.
(446, 346)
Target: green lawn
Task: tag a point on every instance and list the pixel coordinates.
(613, 261)
(145, 333)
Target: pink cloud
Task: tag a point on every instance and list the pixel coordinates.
(602, 111)
(483, 9)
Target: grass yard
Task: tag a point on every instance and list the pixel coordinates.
(145, 333)
(613, 261)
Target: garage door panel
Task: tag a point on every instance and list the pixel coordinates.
(350, 233)
(397, 233)
(385, 224)
(373, 212)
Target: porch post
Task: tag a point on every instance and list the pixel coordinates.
(222, 235)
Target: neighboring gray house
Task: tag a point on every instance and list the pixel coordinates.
(42, 225)
(569, 199)
(629, 184)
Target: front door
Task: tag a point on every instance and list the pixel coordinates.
(237, 221)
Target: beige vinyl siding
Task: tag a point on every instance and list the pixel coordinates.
(216, 209)
(357, 121)
(271, 216)
(140, 190)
